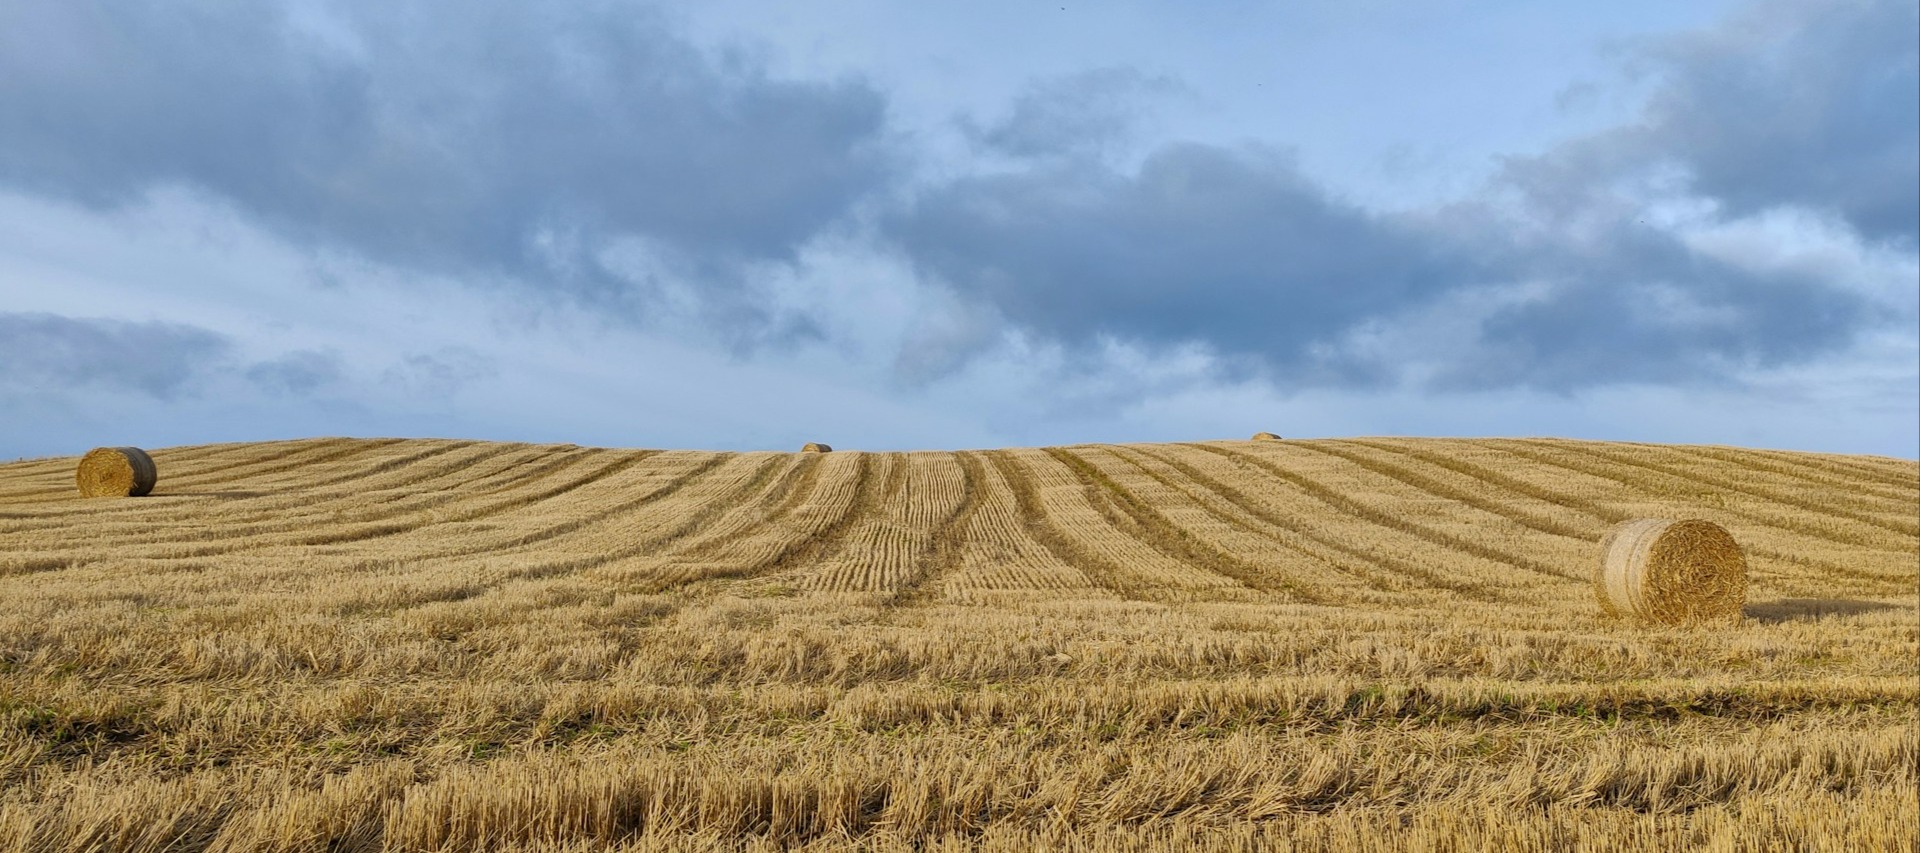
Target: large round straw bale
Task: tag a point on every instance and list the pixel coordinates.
(116, 472)
(815, 447)
(1673, 572)
(1265, 436)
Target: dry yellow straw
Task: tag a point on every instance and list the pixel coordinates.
(1672, 572)
(116, 472)
(1265, 436)
(815, 447)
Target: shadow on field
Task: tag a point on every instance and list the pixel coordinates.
(227, 495)
(1809, 609)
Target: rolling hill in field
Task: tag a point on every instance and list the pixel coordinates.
(346, 644)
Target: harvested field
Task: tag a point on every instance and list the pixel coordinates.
(1376, 644)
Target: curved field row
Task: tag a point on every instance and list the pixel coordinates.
(1580, 503)
(1003, 547)
(385, 494)
(353, 645)
(1329, 522)
(1368, 499)
(889, 547)
(1770, 531)
(1898, 473)
(1082, 525)
(276, 506)
(807, 524)
(213, 463)
(1370, 561)
(1827, 505)
(1869, 493)
(32, 478)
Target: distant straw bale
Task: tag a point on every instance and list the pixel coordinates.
(815, 447)
(116, 472)
(1265, 436)
(1671, 572)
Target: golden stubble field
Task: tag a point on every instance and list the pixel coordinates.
(1370, 644)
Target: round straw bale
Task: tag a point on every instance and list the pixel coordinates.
(1673, 572)
(1265, 436)
(815, 447)
(116, 472)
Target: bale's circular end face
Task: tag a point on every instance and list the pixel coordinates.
(1672, 572)
(1265, 436)
(815, 447)
(116, 472)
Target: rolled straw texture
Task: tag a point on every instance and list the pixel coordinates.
(815, 447)
(1671, 572)
(1265, 436)
(116, 472)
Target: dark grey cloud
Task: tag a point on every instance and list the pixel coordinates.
(1076, 115)
(297, 373)
(1231, 248)
(45, 352)
(489, 137)
(1234, 250)
(1815, 105)
(1635, 304)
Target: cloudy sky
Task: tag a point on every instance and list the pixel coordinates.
(747, 224)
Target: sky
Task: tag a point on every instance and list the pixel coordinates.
(743, 224)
